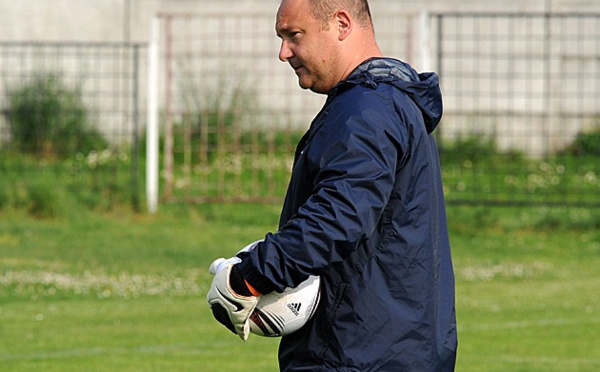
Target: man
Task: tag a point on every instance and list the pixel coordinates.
(364, 209)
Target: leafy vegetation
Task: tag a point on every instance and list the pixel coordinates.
(49, 118)
(586, 144)
(51, 188)
(475, 171)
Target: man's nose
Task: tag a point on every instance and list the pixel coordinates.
(285, 53)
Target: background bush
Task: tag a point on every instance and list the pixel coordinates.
(49, 118)
(586, 144)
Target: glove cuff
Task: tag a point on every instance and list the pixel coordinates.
(237, 282)
(259, 283)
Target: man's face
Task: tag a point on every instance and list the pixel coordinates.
(307, 47)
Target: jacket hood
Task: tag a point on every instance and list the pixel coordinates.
(422, 88)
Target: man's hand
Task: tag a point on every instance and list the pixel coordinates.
(230, 308)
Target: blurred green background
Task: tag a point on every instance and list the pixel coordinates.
(125, 291)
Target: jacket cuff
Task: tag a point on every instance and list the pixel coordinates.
(255, 279)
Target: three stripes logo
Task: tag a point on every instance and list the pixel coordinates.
(295, 308)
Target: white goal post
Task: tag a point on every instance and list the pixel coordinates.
(152, 132)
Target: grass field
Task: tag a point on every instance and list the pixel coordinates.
(126, 292)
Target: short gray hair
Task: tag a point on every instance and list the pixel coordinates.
(359, 9)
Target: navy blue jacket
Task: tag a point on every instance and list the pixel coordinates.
(365, 211)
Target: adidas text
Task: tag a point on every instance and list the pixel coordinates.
(295, 308)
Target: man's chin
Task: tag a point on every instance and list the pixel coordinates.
(311, 85)
(304, 84)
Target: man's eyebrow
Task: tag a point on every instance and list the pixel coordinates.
(285, 29)
(281, 33)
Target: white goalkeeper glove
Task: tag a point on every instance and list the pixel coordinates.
(228, 307)
(221, 263)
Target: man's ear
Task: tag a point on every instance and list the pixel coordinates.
(344, 23)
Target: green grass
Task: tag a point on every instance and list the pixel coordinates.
(527, 290)
(125, 292)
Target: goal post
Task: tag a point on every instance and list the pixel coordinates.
(152, 131)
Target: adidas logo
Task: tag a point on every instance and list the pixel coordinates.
(295, 308)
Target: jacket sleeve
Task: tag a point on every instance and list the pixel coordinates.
(353, 158)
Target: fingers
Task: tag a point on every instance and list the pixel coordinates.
(229, 308)
(215, 265)
(221, 263)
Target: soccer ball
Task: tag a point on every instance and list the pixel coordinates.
(279, 314)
